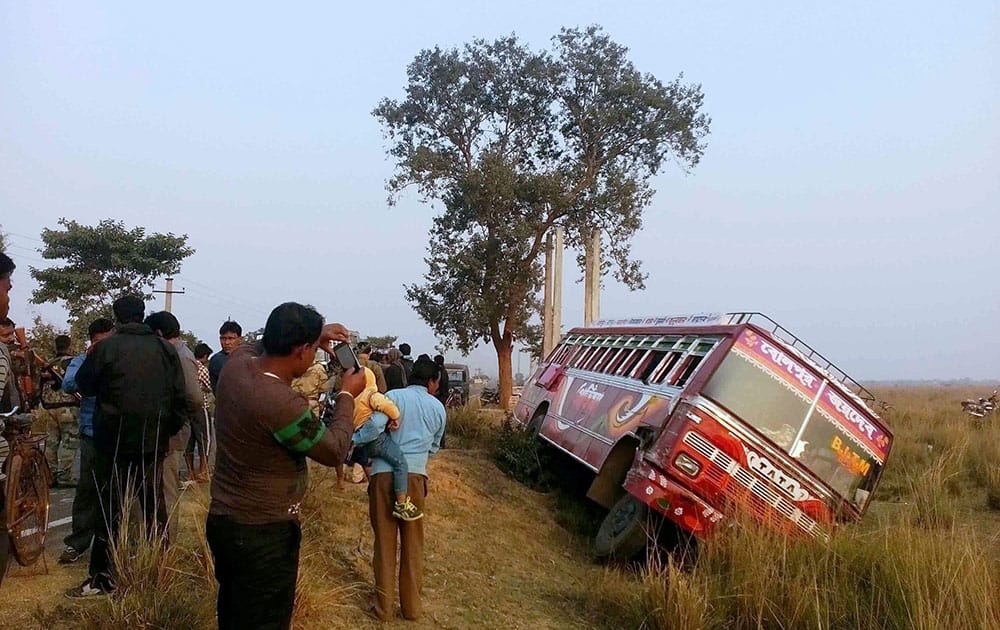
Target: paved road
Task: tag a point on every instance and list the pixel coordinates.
(59, 517)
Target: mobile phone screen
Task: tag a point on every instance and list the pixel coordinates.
(345, 356)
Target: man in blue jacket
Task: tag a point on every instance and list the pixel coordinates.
(85, 501)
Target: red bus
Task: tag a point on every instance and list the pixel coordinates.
(694, 416)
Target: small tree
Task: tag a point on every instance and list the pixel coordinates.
(103, 263)
(191, 340)
(513, 143)
(382, 342)
(42, 338)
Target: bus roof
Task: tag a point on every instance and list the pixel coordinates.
(758, 320)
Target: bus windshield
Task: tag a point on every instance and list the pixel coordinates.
(803, 415)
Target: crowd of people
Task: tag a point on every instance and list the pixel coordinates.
(139, 405)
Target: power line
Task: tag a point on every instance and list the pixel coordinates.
(229, 307)
(232, 298)
(30, 238)
(21, 256)
(25, 248)
(221, 300)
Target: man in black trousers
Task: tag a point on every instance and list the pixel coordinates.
(139, 385)
(265, 431)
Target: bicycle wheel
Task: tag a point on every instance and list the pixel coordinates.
(27, 507)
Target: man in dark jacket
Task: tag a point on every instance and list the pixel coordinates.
(444, 387)
(139, 385)
(406, 359)
(230, 338)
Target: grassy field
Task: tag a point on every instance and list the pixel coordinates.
(503, 555)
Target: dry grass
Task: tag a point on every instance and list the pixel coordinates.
(926, 559)
(500, 555)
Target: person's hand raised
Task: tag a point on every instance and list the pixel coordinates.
(353, 382)
(333, 333)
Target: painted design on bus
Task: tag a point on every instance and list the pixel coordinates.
(766, 354)
(846, 414)
(846, 457)
(604, 409)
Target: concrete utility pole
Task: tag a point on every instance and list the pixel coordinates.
(168, 295)
(552, 301)
(592, 279)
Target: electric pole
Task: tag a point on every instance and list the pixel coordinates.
(168, 295)
(592, 279)
(552, 299)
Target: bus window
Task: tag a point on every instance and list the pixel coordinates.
(640, 364)
(569, 354)
(664, 368)
(618, 360)
(595, 358)
(650, 364)
(629, 363)
(688, 370)
(601, 359)
(582, 357)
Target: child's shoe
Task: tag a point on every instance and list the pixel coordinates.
(407, 511)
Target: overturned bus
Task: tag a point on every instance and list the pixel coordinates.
(693, 417)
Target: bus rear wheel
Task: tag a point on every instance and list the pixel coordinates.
(622, 535)
(535, 424)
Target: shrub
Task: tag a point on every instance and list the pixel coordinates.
(522, 456)
(469, 427)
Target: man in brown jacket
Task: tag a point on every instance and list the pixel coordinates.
(265, 431)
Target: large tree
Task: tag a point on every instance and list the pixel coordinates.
(381, 342)
(102, 263)
(514, 142)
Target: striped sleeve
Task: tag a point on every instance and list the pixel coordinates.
(301, 434)
(4, 371)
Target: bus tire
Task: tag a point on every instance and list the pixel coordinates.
(535, 425)
(622, 535)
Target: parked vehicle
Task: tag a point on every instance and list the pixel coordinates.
(689, 418)
(981, 407)
(458, 384)
(489, 396)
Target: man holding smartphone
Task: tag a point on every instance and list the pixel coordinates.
(265, 431)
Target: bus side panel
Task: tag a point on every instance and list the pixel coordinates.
(587, 418)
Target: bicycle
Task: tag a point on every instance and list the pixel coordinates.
(454, 399)
(25, 490)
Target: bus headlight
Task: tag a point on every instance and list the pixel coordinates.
(687, 465)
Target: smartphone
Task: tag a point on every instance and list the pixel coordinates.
(346, 357)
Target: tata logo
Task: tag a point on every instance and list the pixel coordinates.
(762, 466)
(589, 390)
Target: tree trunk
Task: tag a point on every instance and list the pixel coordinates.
(504, 347)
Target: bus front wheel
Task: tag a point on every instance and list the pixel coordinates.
(622, 535)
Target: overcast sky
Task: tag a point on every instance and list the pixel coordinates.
(849, 189)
